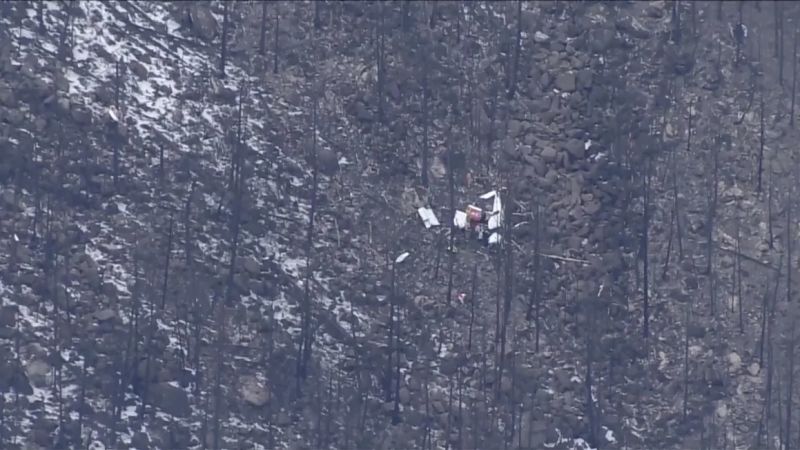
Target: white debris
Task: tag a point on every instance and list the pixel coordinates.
(460, 220)
(540, 38)
(488, 195)
(610, 436)
(402, 257)
(494, 238)
(587, 145)
(344, 161)
(112, 114)
(428, 217)
(496, 220)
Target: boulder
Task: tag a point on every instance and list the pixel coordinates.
(7, 97)
(105, 315)
(540, 38)
(8, 316)
(81, 115)
(327, 162)
(629, 25)
(566, 82)
(514, 128)
(575, 148)
(549, 154)
(140, 441)
(37, 372)
(253, 391)
(734, 361)
(13, 378)
(601, 39)
(139, 69)
(202, 22)
(584, 79)
(250, 265)
(170, 399)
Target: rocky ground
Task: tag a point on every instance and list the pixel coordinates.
(126, 323)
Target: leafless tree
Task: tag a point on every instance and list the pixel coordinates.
(223, 54)
(262, 40)
(306, 329)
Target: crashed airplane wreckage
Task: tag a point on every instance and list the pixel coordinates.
(482, 223)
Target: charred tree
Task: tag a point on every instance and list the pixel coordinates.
(761, 142)
(275, 45)
(794, 77)
(514, 72)
(262, 40)
(223, 54)
(645, 244)
(306, 329)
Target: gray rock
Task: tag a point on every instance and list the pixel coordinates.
(549, 154)
(629, 25)
(81, 115)
(601, 39)
(511, 149)
(203, 23)
(514, 128)
(734, 361)
(753, 369)
(575, 148)
(7, 97)
(404, 395)
(139, 69)
(363, 113)
(38, 372)
(8, 316)
(540, 38)
(327, 162)
(250, 265)
(253, 391)
(13, 378)
(15, 117)
(105, 314)
(584, 79)
(566, 82)
(140, 441)
(170, 399)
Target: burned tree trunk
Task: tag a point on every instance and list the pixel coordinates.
(223, 54)
(262, 41)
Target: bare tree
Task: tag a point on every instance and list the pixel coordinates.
(761, 142)
(686, 360)
(223, 55)
(165, 284)
(380, 59)
(306, 329)
(425, 114)
(794, 77)
(645, 244)
(262, 40)
(511, 77)
(275, 45)
(676, 21)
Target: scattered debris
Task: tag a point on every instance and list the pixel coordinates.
(428, 217)
(402, 257)
(564, 258)
(480, 222)
(460, 220)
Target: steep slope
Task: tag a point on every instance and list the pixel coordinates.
(132, 171)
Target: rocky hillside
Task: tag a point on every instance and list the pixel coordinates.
(204, 206)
